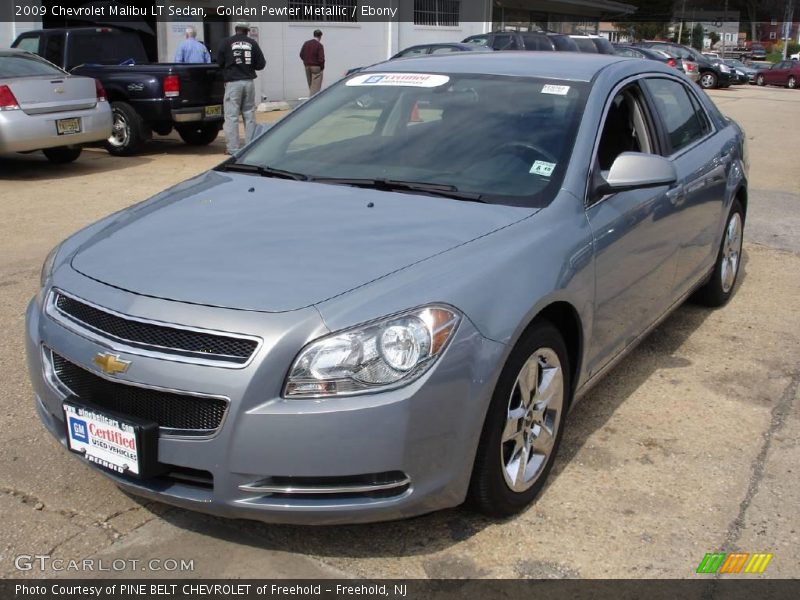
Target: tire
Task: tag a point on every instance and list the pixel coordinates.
(130, 132)
(722, 284)
(498, 488)
(62, 155)
(791, 83)
(760, 80)
(198, 134)
(708, 80)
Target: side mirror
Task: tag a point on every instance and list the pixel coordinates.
(261, 129)
(636, 170)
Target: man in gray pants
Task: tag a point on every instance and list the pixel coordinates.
(240, 57)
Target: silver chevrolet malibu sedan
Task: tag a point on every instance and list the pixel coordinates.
(45, 108)
(372, 313)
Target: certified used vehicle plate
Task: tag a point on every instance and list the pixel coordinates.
(215, 110)
(122, 445)
(68, 126)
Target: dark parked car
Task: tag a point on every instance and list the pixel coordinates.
(428, 50)
(713, 74)
(425, 49)
(786, 73)
(144, 97)
(513, 40)
(688, 67)
(750, 72)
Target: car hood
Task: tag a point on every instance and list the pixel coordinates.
(253, 243)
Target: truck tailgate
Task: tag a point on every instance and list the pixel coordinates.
(201, 84)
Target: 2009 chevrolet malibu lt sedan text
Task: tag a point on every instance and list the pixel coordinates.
(371, 313)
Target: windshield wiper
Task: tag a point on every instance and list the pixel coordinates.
(262, 171)
(392, 185)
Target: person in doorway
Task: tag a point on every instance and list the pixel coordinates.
(313, 56)
(240, 57)
(190, 50)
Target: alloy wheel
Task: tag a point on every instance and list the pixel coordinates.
(731, 252)
(532, 420)
(120, 131)
(792, 83)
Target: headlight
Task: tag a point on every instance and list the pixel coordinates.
(47, 266)
(377, 356)
(724, 68)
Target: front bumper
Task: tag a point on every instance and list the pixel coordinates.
(20, 132)
(426, 432)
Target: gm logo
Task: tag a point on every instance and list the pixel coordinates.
(78, 429)
(720, 562)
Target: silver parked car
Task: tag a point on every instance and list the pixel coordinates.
(44, 108)
(372, 314)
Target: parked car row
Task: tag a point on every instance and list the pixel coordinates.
(145, 98)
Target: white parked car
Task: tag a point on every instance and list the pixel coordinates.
(45, 108)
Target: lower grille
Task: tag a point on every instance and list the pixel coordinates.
(186, 415)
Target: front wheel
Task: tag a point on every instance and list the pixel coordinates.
(792, 82)
(719, 288)
(523, 425)
(62, 155)
(198, 134)
(708, 80)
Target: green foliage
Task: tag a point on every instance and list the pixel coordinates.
(643, 30)
(697, 36)
(714, 37)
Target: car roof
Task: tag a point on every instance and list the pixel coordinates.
(573, 66)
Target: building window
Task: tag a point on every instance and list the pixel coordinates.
(437, 12)
(331, 11)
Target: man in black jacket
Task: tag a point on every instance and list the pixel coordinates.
(240, 57)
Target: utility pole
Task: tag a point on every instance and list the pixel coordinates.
(680, 26)
(787, 26)
(724, 23)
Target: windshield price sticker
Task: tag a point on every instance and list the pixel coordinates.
(545, 169)
(399, 79)
(558, 90)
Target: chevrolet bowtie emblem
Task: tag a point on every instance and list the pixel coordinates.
(111, 364)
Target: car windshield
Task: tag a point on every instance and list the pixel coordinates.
(26, 65)
(496, 138)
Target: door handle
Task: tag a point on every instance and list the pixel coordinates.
(675, 194)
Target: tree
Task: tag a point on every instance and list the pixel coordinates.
(714, 37)
(697, 36)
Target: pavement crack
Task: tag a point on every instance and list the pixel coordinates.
(777, 419)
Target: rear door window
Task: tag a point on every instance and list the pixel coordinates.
(54, 48)
(537, 42)
(105, 48)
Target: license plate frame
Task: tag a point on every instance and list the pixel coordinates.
(70, 126)
(213, 111)
(110, 449)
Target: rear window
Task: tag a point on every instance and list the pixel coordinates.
(104, 48)
(586, 45)
(603, 45)
(26, 65)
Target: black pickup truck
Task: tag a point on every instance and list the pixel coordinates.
(144, 97)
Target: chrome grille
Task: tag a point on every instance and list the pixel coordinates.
(162, 338)
(179, 413)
